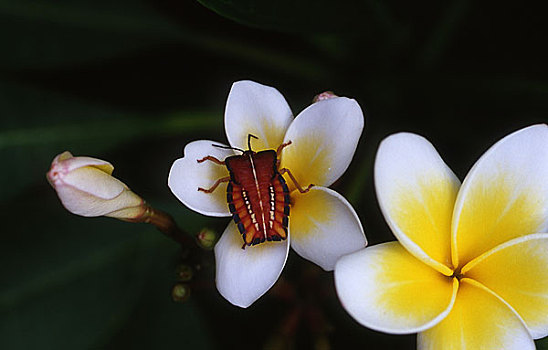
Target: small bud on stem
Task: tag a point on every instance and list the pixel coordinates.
(206, 238)
(180, 292)
(184, 273)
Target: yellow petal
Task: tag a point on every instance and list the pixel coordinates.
(478, 320)
(504, 196)
(416, 191)
(517, 271)
(387, 289)
(324, 226)
(323, 138)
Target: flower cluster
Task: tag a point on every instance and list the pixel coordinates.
(469, 269)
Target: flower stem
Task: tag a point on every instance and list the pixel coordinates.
(165, 224)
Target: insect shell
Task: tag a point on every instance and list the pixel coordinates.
(257, 196)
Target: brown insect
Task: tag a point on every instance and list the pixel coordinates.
(257, 194)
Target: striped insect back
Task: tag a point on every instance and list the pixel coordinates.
(258, 197)
(257, 194)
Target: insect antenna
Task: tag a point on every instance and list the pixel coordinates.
(228, 147)
(249, 136)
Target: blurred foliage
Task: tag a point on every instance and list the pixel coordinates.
(134, 81)
(43, 124)
(301, 16)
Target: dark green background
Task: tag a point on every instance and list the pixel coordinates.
(134, 81)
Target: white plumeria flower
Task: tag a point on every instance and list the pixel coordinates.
(323, 226)
(470, 270)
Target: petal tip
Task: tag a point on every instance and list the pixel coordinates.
(243, 276)
(186, 176)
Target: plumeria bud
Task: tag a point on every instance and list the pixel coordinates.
(324, 96)
(184, 273)
(206, 238)
(180, 292)
(86, 187)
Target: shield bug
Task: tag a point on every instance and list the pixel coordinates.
(257, 194)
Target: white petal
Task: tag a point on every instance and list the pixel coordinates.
(323, 139)
(187, 175)
(259, 110)
(126, 205)
(504, 196)
(416, 192)
(93, 181)
(244, 275)
(70, 163)
(64, 163)
(387, 289)
(324, 227)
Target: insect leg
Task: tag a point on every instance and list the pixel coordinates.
(282, 146)
(285, 170)
(212, 159)
(217, 183)
(278, 150)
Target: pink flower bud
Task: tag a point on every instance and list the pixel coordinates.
(86, 187)
(324, 96)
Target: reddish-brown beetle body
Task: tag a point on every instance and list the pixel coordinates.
(258, 197)
(257, 194)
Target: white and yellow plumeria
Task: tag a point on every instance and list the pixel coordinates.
(322, 224)
(470, 270)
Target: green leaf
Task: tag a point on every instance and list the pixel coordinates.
(542, 344)
(60, 32)
(320, 16)
(71, 33)
(157, 322)
(38, 125)
(70, 282)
